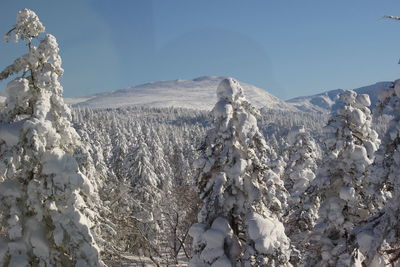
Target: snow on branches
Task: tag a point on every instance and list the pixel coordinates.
(28, 26)
(46, 202)
(378, 238)
(235, 224)
(391, 17)
(350, 146)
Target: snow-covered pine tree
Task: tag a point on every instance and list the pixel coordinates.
(90, 157)
(141, 199)
(43, 195)
(378, 239)
(145, 183)
(238, 222)
(162, 168)
(302, 157)
(350, 146)
(118, 150)
(379, 183)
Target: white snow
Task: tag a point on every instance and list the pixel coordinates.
(267, 233)
(17, 92)
(347, 193)
(221, 225)
(9, 132)
(363, 100)
(222, 262)
(197, 230)
(229, 90)
(365, 240)
(28, 25)
(39, 245)
(214, 245)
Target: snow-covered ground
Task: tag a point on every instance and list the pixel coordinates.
(136, 261)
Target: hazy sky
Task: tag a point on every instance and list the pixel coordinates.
(289, 48)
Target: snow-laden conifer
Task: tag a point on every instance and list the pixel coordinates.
(44, 197)
(350, 146)
(238, 222)
(378, 239)
(145, 184)
(379, 184)
(302, 156)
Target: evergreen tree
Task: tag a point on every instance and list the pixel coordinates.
(145, 183)
(350, 146)
(238, 221)
(378, 239)
(44, 198)
(302, 155)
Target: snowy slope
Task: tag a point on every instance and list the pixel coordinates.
(199, 93)
(323, 102)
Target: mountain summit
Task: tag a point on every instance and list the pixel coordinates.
(199, 93)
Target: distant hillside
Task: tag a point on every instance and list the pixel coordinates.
(323, 102)
(199, 93)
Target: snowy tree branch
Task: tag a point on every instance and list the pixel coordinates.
(391, 17)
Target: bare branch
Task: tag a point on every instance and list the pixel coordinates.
(9, 32)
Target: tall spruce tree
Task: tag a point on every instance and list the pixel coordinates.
(44, 197)
(238, 222)
(350, 146)
(378, 239)
(302, 157)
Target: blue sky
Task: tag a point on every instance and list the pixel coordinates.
(290, 48)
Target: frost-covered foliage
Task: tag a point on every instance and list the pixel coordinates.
(238, 222)
(278, 122)
(379, 238)
(28, 26)
(350, 146)
(145, 195)
(172, 137)
(302, 157)
(145, 183)
(45, 200)
(381, 180)
(141, 147)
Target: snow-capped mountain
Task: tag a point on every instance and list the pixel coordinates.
(199, 93)
(323, 102)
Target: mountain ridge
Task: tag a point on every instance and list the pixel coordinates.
(198, 93)
(323, 102)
